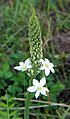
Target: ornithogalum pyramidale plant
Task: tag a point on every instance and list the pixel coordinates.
(35, 43)
(35, 64)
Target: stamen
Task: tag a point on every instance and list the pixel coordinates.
(39, 88)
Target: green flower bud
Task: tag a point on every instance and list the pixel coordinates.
(35, 40)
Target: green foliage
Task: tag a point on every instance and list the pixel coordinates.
(55, 90)
(6, 108)
(20, 81)
(64, 113)
(11, 82)
(5, 72)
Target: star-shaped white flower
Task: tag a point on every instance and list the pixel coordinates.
(47, 66)
(23, 65)
(38, 87)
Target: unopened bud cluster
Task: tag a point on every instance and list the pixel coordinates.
(35, 40)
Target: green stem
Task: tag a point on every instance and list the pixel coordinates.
(8, 110)
(27, 103)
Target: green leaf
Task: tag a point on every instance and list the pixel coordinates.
(5, 67)
(50, 78)
(57, 88)
(3, 104)
(14, 88)
(12, 105)
(13, 113)
(23, 80)
(8, 74)
(10, 99)
(50, 84)
(3, 114)
(53, 97)
(1, 74)
(3, 97)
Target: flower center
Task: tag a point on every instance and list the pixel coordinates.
(39, 88)
(47, 65)
(24, 67)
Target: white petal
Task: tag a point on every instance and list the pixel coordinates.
(47, 61)
(45, 89)
(47, 71)
(37, 94)
(42, 61)
(17, 68)
(43, 81)
(42, 67)
(51, 64)
(28, 63)
(43, 93)
(29, 66)
(52, 69)
(36, 83)
(21, 63)
(32, 89)
(22, 66)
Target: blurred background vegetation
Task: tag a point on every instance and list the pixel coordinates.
(54, 18)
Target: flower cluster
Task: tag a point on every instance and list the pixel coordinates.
(37, 87)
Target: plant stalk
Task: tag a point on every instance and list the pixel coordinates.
(27, 103)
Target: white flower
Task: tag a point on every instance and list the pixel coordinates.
(38, 87)
(23, 65)
(47, 66)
